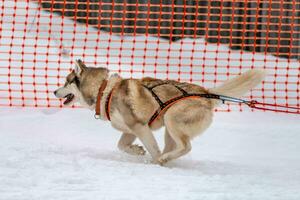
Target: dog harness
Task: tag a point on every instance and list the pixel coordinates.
(163, 106)
(184, 95)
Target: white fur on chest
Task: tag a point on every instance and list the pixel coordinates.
(117, 121)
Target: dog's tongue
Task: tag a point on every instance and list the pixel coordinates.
(69, 97)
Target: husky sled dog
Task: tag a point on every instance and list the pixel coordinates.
(138, 106)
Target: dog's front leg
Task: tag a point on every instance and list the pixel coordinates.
(125, 144)
(144, 133)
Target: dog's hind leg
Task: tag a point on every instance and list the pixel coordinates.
(144, 133)
(185, 120)
(169, 142)
(182, 146)
(125, 144)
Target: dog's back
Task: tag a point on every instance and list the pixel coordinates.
(169, 89)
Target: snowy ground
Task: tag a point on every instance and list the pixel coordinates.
(66, 154)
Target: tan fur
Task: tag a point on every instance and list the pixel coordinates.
(240, 85)
(132, 105)
(113, 80)
(143, 104)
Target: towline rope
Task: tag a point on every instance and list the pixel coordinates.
(260, 105)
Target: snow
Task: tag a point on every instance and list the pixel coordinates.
(67, 154)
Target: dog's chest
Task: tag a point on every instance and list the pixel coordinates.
(117, 121)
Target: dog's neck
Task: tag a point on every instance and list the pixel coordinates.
(111, 82)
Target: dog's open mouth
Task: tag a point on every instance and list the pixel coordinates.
(69, 98)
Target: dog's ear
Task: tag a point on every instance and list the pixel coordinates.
(79, 67)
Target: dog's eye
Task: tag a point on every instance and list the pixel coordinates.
(68, 82)
(76, 81)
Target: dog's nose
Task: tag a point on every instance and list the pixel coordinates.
(55, 92)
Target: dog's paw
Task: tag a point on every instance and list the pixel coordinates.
(137, 150)
(162, 160)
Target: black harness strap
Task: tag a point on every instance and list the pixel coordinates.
(185, 94)
(154, 95)
(164, 105)
(154, 86)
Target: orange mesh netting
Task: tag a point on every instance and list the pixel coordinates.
(204, 42)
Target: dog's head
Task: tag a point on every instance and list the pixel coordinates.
(82, 85)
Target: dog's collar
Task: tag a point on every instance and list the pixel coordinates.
(98, 103)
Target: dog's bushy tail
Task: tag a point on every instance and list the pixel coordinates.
(240, 85)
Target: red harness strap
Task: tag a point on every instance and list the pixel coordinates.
(107, 102)
(165, 105)
(100, 94)
(274, 107)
